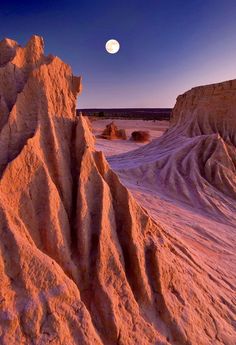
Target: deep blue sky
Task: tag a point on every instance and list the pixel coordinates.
(167, 47)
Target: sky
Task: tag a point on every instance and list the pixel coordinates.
(167, 47)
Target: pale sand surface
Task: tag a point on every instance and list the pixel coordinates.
(186, 180)
(211, 237)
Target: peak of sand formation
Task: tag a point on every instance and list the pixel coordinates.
(80, 261)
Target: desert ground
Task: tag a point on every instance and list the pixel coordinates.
(209, 235)
(112, 147)
(108, 241)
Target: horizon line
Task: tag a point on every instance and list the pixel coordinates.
(95, 108)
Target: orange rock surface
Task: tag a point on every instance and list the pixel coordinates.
(80, 261)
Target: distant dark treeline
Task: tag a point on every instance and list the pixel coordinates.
(130, 113)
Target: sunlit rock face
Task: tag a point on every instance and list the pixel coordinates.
(80, 261)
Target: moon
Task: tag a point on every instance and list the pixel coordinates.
(112, 46)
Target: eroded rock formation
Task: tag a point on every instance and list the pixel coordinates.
(193, 167)
(80, 261)
(195, 161)
(112, 132)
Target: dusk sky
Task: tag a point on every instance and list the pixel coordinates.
(167, 47)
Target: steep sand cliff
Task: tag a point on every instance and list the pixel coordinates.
(80, 261)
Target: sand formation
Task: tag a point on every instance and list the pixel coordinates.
(80, 261)
(112, 132)
(195, 161)
(194, 165)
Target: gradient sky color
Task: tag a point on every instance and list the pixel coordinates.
(167, 47)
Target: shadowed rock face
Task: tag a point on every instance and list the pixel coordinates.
(80, 261)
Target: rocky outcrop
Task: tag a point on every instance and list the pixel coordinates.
(207, 110)
(112, 132)
(208, 114)
(80, 261)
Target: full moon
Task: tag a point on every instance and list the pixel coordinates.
(112, 46)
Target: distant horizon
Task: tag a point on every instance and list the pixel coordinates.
(112, 108)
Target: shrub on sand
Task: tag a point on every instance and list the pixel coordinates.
(140, 136)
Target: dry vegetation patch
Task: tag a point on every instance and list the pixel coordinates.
(140, 136)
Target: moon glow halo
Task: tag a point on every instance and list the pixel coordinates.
(112, 46)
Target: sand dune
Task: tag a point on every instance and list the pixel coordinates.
(80, 261)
